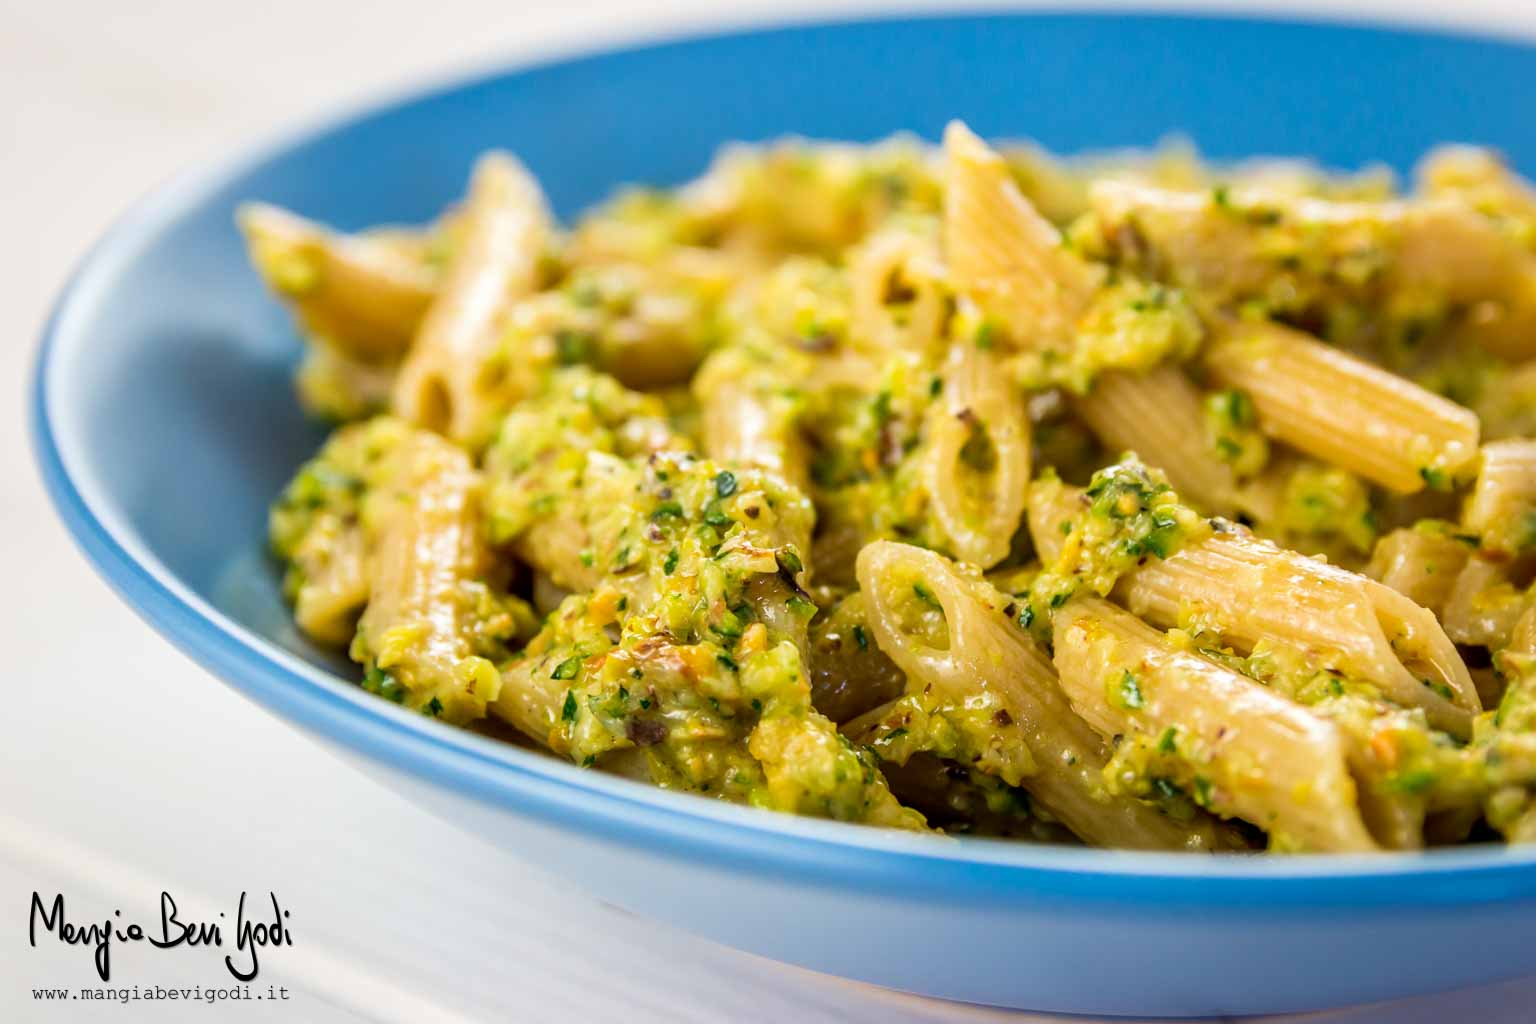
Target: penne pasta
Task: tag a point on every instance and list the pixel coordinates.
(1002, 253)
(980, 651)
(1238, 748)
(900, 298)
(430, 614)
(356, 295)
(1417, 261)
(443, 384)
(1484, 604)
(1248, 591)
(978, 456)
(1343, 410)
(1502, 507)
(1480, 178)
(750, 417)
(1421, 564)
(1158, 415)
(336, 585)
(317, 527)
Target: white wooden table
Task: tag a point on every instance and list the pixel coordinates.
(125, 770)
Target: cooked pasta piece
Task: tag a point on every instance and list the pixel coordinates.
(1484, 604)
(1247, 590)
(1422, 564)
(729, 721)
(1409, 262)
(361, 296)
(1407, 772)
(1502, 508)
(798, 196)
(978, 652)
(444, 384)
(1129, 537)
(559, 445)
(316, 527)
(1003, 254)
(1051, 508)
(1232, 745)
(751, 418)
(1317, 509)
(1059, 186)
(1491, 592)
(1159, 416)
(977, 467)
(1507, 403)
(1344, 410)
(1022, 285)
(1506, 739)
(1127, 523)
(900, 298)
(431, 618)
(337, 387)
(646, 326)
(682, 658)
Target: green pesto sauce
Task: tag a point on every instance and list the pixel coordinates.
(977, 732)
(1130, 515)
(1130, 325)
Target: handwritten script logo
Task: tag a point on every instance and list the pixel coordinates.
(251, 934)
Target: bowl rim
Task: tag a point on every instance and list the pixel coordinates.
(556, 793)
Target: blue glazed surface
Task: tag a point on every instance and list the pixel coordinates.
(164, 424)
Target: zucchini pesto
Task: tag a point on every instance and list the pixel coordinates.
(1123, 500)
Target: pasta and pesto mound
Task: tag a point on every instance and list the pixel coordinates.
(1124, 500)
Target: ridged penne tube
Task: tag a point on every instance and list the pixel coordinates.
(530, 701)
(336, 585)
(1243, 750)
(423, 620)
(749, 417)
(360, 296)
(977, 464)
(1232, 246)
(1050, 506)
(1420, 565)
(443, 383)
(1484, 605)
(1343, 410)
(1247, 590)
(985, 652)
(1502, 508)
(899, 297)
(1002, 253)
(1158, 415)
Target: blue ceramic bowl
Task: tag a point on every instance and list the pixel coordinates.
(164, 425)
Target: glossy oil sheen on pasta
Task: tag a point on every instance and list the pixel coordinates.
(1121, 500)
